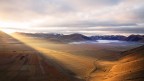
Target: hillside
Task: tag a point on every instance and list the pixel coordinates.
(19, 62)
(128, 68)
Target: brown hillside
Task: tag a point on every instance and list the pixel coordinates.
(128, 68)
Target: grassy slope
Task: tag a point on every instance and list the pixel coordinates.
(128, 68)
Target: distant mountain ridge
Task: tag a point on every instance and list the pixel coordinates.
(79, 37)
(109, 37)
(74, 37)
(138, 38)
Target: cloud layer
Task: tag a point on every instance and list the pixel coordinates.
(119, 16)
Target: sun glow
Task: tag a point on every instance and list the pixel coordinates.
(10, 27)
(8, 31)
(13, 24)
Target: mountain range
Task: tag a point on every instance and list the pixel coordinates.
(79, 37)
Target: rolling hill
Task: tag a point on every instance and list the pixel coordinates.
(128, 68)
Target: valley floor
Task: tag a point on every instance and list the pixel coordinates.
(29, 59)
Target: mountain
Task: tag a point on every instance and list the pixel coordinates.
(108, 37)
(39, 35)
(74, 37)
(57, 37)
(79, 37)
(135, 38)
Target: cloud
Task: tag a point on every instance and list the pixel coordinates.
(75, 14)
(31, 9)
(87, 24)
(138, 13)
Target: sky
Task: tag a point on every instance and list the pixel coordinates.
(89, 17)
